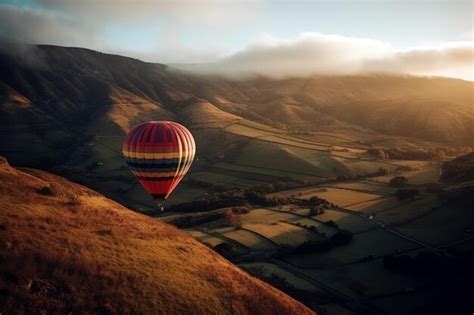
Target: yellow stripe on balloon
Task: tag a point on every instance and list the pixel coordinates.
(152, 155)
(157, 175)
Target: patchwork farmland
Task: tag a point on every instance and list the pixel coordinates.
(355, 276)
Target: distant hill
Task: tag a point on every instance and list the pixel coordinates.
(433, 108)
(460, 169)
(67, 110)
(53, 93)
(67, 249)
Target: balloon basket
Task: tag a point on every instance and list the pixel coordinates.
(160, 205)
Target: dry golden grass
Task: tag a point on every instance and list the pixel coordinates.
(202, 113)
(283, 233)
(65, 248)
(128, 109)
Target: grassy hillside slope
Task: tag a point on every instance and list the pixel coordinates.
(67, 249)
(458, 170)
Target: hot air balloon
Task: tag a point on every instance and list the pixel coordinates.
(159, 154)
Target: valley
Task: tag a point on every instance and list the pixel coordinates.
(285, 244)
(345, 192)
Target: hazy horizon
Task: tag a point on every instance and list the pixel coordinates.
(275, 39)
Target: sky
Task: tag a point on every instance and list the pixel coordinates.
(275, 38)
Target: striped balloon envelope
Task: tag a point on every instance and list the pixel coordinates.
(159, 154)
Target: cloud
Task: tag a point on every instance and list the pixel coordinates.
(204, 12)
(314, 53)
(205, 24)
(38, 26)
(160, 25)
(455, 57)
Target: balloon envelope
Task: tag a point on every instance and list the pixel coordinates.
(159, 154)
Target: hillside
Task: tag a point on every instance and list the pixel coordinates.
(458, 170)
(67, 110)
(67, 249)
(67, 88)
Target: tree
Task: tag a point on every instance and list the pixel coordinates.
(398, 181)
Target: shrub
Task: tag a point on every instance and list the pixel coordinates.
(46, 191)
(398, 181)
(241, 210)
(331, 223)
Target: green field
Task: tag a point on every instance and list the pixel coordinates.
(283, 233)
(364, 166)
(322, 228)
(355, 269)
(441, 226)
(205, 238)
(408, 211)
(365, 186)
(265, 216)
(341, 197)
(269, 170)
(373, 243)
(368, 279)
(250, 239)
(376, 205)
(426, 175)
(248, 131)
(267, 270)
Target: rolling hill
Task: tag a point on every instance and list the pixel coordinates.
(67, 249)
(67, 110)
(458, 170)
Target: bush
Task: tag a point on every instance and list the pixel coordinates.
(398, 181)
(342, 237)
(241, 209)
(331, 223)
(46, 191)
(230, 198)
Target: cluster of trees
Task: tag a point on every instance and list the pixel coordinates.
(380, 172)
(262, 188)
(241, 209)
(342, 237)
(224, 217)
(409, 153)
(239, 197)
(196, 219)
(398, 181)
(407, 168)
(315, 211)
